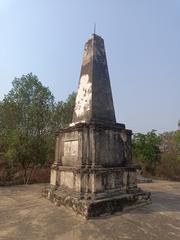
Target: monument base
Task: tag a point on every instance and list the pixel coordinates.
(93, 172)
(97, 207)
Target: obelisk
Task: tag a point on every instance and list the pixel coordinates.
(93, 172)
(94, 100)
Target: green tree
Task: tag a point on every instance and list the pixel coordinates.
(146, 150)
(26, 123)
(28, 119)
(63, 111)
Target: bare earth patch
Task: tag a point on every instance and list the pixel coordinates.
(25, 215)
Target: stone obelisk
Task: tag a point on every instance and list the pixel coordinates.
(94, 97)
(93, 171)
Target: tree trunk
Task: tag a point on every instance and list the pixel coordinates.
(25, 175)
(30, 174)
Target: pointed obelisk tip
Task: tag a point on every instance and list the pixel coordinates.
(94, 34)
(94, 28)
(94, 102)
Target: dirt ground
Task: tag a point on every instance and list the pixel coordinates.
(25, 215)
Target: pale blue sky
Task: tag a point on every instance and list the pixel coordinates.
(142, 39)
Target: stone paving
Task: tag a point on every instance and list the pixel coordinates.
(25, 215)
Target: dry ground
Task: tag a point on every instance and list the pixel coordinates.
(25, 215)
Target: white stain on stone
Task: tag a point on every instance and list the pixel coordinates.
(74, 123)
(84, 95)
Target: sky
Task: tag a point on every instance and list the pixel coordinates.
(142, 40)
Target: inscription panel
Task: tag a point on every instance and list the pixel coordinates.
(71, 148)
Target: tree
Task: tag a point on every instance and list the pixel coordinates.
(169, 166)
(26, 123)
(146, 150)
(28, 119)
(63, 111)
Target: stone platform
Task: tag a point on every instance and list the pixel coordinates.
(93, 172)
(89, 208)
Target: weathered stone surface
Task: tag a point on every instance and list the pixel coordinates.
(24, 215)
(93, 170)
(101, 168)
(94, 97)
(89, 208)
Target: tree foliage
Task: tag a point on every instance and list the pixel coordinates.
(169, 166)
(158, 154)
(146, 150)
(28, 119)
(63, 111)
(26, 123)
